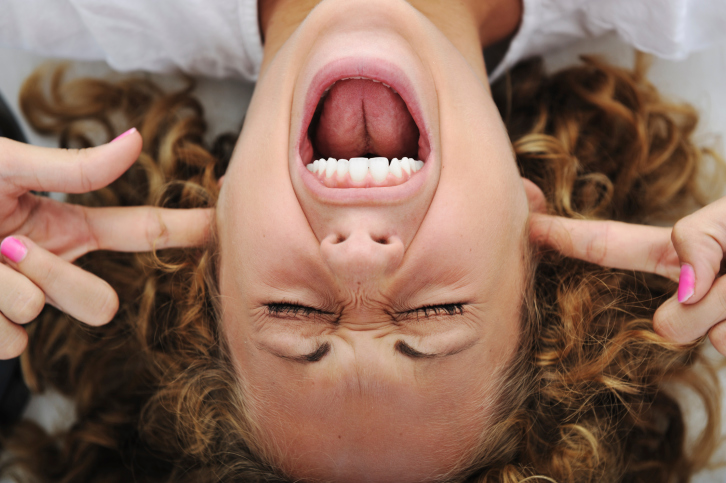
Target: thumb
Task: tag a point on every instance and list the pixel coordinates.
(608, 243)
(700, 241)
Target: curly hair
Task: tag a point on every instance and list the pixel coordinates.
(585, 400)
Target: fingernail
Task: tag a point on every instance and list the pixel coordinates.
(121, 136)
(13, 249)
(686, 283)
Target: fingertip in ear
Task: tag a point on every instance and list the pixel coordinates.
(535, 197)
(220, 182)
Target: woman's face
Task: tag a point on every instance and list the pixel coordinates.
(325, 287)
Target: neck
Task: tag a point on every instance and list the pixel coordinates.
(471, 25)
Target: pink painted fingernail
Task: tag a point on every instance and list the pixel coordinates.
(121, 136)
(13, 249)
(686, 283)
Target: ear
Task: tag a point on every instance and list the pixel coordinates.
(535, 197)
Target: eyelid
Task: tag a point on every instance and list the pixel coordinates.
(450, 309)
(280, 309)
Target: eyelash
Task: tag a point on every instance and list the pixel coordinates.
(278, 309)
(282, 309)
(448, 309)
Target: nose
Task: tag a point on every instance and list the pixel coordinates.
(361, 257)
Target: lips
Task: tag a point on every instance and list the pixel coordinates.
(362, 128)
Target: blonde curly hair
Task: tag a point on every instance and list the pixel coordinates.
(584, 399)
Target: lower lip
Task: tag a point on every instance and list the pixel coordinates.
(391, 75)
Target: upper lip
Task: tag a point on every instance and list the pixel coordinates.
(374, 69)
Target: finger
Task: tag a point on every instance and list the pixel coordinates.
(25, 167)
(684, 323)
(608, 243)
(717, 335)
(67, 287)
(13, 339)
(700, 241)
(21, 301)
(141, 229)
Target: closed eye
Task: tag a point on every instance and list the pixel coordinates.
(428, 311)
(285, 310)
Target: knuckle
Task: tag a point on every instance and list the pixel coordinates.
(667, 321)
(81, 158)
(720, 292)
(108, 305)
(683, 231)
(717, 336)
(14, 342)
(664, 258)
(156, 232)
(26, 305)
(47, 275)
(596, 249)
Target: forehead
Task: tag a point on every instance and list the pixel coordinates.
(370, 420)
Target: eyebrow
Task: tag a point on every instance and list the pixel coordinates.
(400, 346)
(403, 348)
(314, 356)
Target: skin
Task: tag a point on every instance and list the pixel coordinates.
(367, 411)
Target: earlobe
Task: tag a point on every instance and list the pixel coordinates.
(535, 197)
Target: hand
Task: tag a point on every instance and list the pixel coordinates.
(41, 236)
(690, 253)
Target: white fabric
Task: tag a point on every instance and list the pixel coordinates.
(221, 38)
(216, 38)
(670, 29)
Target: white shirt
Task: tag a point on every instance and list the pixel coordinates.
(221, 38)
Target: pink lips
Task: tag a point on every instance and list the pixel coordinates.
(390, 75)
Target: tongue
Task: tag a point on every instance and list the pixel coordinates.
(362, 117)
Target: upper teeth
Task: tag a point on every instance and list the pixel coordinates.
(358, 77)
(360, 167)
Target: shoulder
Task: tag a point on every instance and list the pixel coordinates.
(672, 29)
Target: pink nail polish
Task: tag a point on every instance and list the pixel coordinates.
(121, 136)
(686, 283)
(13, 249)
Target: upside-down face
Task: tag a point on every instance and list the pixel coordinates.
(371, 231)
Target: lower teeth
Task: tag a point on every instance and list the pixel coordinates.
(358, 168)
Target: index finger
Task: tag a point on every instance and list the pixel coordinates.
(24, 167)
(145, 228)
(609, 243)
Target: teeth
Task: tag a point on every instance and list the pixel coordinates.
(343, 168)
(405, 165)
(332, 167)
(356, 78)
(395, 168)
(322, 164)
(379, 169)
(358, 169)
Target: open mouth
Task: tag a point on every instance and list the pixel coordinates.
(362, 135)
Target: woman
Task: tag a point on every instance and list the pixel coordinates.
(339, 327)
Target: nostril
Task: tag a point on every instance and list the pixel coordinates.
(382, 240)
(339, 239)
